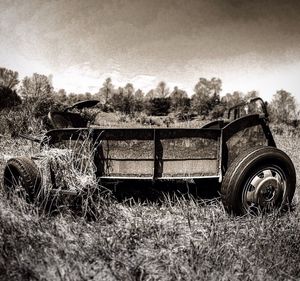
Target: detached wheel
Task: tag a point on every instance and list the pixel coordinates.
(22, 177)
(260, 179)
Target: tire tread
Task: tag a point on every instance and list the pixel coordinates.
(228, 190)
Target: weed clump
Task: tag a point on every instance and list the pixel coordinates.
(69, 180)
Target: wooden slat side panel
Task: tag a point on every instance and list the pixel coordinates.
(190, 168)
(123, 168)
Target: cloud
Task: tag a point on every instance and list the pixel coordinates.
(143, 42)
(144, 82)
(79, 78)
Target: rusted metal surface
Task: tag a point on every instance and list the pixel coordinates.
(240, 124)
(170, 153)
(67, 120)
(155, 153)
(217, 124)
(248, 107)
(246, 138)
(158, 159)
(83, 104)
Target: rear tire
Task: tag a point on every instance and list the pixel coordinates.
(260, 179)
(22, 176)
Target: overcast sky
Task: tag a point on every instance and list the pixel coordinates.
(250, 45)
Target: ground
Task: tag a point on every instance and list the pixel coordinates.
(180, 238)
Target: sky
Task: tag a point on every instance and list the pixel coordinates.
(250, 45)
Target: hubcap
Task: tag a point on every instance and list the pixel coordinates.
(265, 189)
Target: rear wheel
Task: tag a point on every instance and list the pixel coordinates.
(22, 177)
(259, 179)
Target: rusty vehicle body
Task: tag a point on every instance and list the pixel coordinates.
(238, 152)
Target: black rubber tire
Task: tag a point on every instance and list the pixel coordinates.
(248, 164)
(24, 172)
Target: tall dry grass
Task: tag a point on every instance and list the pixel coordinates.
(176, 239)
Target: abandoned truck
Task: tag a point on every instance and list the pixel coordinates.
(238, 153)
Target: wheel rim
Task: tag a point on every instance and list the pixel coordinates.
(264, 190)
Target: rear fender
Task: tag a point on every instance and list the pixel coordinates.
(233, 144)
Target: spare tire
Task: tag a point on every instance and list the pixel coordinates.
(259, 179)
(22, 176)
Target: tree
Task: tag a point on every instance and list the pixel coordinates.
(158, 106)
(162, 91)
(129, 89)
(8, 78)
(37, 86)
(128, 99)
(8, 98)
(38, 95)
(72, 98)
(116, 100)
(84, 96)
(61, 95)
(105, 93)
(138, 100)
(210, 87)
(123, 99)
(283, 107)
(180, 102)
(232, 99)
(87, 96)
(207, 95)
(8, 82)
(251, 95)
(157, 101)
(150, 95)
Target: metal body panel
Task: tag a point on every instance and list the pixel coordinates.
(168, 153)
(149, 153)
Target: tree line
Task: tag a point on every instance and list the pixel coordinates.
(36, 94)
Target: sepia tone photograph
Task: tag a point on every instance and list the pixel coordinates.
(149, 140)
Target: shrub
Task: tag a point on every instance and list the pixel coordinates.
(8, 98)
(158, 106)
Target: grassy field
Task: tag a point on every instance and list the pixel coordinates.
(178, 239)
